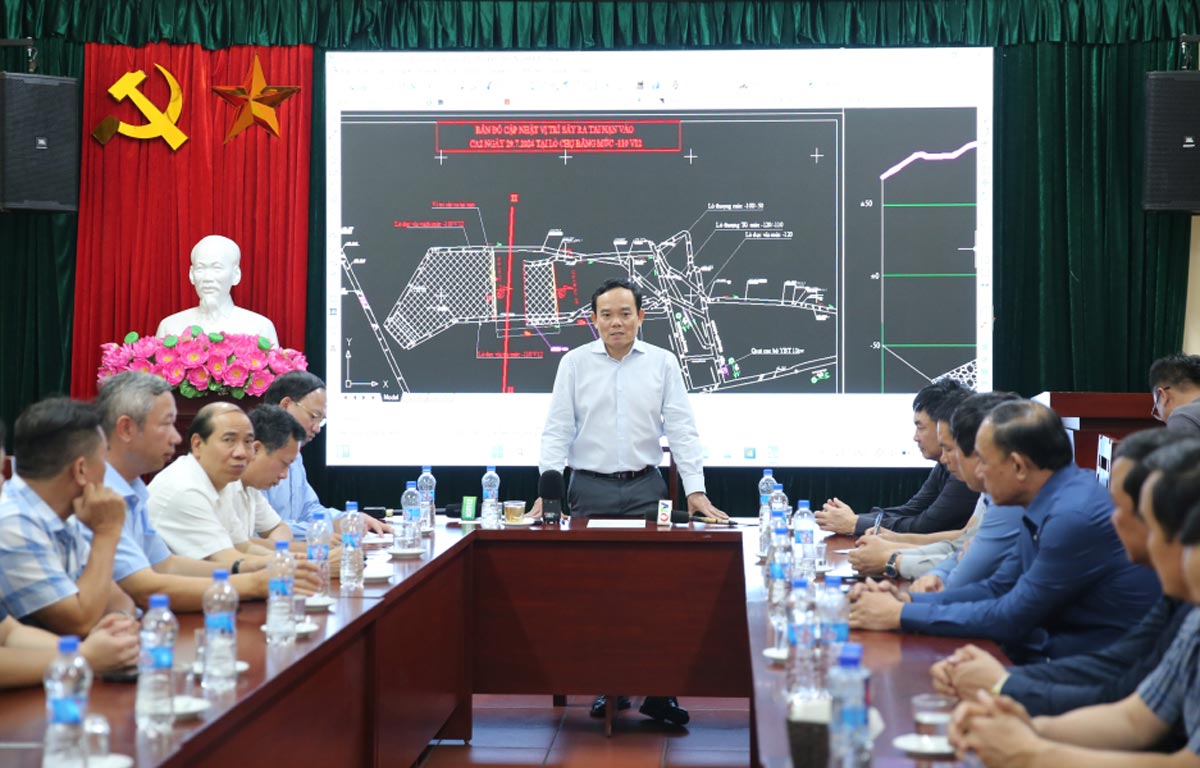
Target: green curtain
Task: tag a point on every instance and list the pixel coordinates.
(1089, 288)
(37, 281)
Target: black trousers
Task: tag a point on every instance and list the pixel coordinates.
(591, 496)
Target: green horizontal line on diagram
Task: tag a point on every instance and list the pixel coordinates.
(929, 205)
(927, 346)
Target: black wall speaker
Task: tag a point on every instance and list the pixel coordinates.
(1172, 160)
(39, 142)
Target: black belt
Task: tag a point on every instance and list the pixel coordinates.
(630, 475)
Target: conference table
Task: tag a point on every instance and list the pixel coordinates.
(563, 610)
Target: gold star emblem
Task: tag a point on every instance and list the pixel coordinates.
(255, 100)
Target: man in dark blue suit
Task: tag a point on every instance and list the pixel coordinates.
(1066, 588)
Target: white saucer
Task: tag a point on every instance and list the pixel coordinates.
(303, 629)
(522, 523)
(239, 667)
(111, 760)
(377, 538)
(407, 553)
(316, 603)
(374, 576)
(188, 707)
(776, 655)
(923, 746)
(825, 568)
(843, 551)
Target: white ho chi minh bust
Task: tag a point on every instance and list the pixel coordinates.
(214, 272)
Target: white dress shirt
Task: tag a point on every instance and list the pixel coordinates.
(190, 514)
(609, 415)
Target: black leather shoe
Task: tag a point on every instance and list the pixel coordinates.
(665, 709)
(601, 704)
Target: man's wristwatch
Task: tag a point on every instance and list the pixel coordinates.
(237, 567)
(889, 570)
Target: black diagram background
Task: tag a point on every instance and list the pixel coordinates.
(389, 173)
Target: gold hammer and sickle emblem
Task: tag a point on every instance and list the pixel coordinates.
(158, 123)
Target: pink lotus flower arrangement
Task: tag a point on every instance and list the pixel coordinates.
(198, 363)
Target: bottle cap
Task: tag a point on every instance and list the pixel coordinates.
(777, 487)
(833, 582)
(851, 655)
(799, 583)
(281, 546)
(802, 504)
(220, 575)
(768, 472)
(318, 515)
(491, 469)
(68, 644)
(426, 468)
(411, 484)
(351, 506)
(159, 601)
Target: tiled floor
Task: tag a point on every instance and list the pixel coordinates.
(527, 730)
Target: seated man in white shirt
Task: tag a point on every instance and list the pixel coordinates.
(137, 412)
(277, 440)
(193, 502)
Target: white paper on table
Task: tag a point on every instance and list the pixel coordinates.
(616, 524)
(844, 571)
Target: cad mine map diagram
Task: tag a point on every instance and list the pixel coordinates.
(811, 251)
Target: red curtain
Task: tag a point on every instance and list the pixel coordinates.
(142, 205)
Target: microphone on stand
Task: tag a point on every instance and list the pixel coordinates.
(550, 488)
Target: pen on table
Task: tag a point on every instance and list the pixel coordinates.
(878, 522)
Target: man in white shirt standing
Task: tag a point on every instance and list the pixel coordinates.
(613, 400)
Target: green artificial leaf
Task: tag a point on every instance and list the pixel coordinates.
(216, 338)
(187, 390)
(197, 331)
(263, 343)
(131, 337)
(170, 341)
(238, 392)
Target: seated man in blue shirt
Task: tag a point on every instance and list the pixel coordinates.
(137, 413)
(49, 574)
(1067, 588)
(943, 503)
(938, 560)
(1002, 733)
(302, 394)
(1104, 674)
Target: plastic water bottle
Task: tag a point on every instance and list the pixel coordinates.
(805, 527)
(765, 486)
(154, 708)
(804, 681)
(427, 486)
(68, 680)
(320, 534)
(834, 612)
(410, 529)
(351, 573)
(779, 566)
(849, 733)
(489, 511)
(779, 501)
(281, 579)
(220, 634)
